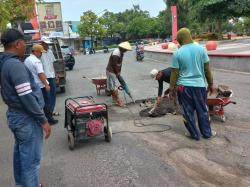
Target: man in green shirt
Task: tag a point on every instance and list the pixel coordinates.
(190, 74)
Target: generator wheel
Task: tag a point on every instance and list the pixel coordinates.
(71, 141)
(223, 118)
(108, 134)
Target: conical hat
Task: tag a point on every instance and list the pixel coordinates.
(125, 45)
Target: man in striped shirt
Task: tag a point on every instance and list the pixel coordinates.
(25, 114)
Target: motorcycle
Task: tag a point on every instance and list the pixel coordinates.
(139, 55)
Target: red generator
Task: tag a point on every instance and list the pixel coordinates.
(86, 119)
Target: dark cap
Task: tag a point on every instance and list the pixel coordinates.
(11, 35)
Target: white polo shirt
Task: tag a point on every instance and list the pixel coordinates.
(48, 59)
(35, 66)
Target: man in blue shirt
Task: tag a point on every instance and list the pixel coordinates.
(25, 114)
(190, 72)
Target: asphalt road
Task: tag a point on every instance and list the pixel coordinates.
(154, 159)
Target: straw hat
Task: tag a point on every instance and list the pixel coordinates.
(125, 45)
(153, 73)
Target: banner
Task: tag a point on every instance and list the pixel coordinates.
(50, 17)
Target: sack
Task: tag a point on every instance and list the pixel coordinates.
(166, 106)
(224, 91)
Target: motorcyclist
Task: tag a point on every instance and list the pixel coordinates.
(139, 51)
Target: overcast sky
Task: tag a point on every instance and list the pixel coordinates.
(72, 9)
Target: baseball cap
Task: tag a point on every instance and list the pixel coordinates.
(38, 47)
(11, 35)
(153, 73)
(125, 45)
(46, 40)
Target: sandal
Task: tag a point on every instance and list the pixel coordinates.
(56, 114)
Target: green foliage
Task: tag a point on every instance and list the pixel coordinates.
(13, 11)
(110, 23)
(207, 36)
(91, 26)
(203, 16)
(239, 27)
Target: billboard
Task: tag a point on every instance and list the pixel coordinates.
(50, 17)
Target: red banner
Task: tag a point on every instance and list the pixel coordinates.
(34, 23)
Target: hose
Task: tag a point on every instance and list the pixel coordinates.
(139, 123)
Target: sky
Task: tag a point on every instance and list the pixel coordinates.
(73, 9)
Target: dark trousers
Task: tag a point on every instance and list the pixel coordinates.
(194, 99)
(52, 93)
(46, 108)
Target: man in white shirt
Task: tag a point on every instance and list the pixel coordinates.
(35, 66)
(48, 60)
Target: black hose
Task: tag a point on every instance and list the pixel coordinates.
(139, 123)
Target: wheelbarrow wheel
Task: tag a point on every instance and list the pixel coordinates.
(71, 141)
(108, 134)
(223, 118)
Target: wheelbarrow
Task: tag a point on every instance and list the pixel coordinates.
(99, 82)
(216, 105)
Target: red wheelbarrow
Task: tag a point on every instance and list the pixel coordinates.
(99, 82)
(216, 105)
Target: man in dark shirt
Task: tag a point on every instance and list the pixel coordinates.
(25, 114)
(113, 70)
(161, 76)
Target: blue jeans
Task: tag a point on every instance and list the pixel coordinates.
(52, 93)
(194, 99)
(27, 149)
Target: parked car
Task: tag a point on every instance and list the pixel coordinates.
(68, 57)
(59, 64)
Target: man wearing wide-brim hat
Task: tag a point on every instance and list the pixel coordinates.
(113, 70)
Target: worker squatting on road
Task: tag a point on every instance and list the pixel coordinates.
(113, 71)
(160, 76)
(190, 71)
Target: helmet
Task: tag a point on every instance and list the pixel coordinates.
(125, 45)
(153, 73)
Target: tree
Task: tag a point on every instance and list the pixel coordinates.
(91, 26)
(219, 10)
(4, 15)
(138, 27)
(111, 24)
(15, 11)
(247, 24)
(165, 23)
(128, 16)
